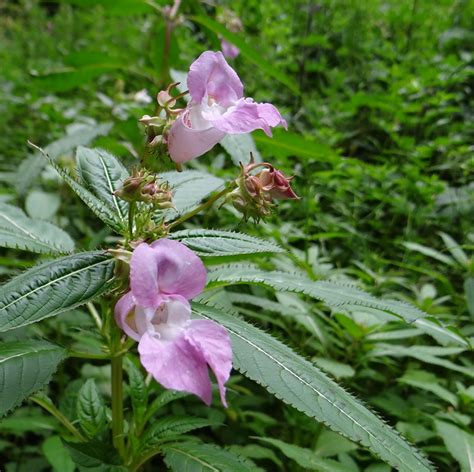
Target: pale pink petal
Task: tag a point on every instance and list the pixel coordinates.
(176, 365)
(144, 276)
(211, 76)
(213, 342)
(229, 50)
(180, 271)
(247, 116)
(185, 143)
(123, 308)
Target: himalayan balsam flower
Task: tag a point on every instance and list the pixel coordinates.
(217, 108)
(176, 350)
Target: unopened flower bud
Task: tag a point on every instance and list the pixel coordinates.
(255, 192)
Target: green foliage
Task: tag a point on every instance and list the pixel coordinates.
(91, 409)
(192, 456)
(205, 242)
(103, 175)
(54, 287)
(299, 383)
(26, 367)
(20, 232)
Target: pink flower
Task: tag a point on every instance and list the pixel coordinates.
(217, 108)
(277, 184)
(229, 50)
(176, 350)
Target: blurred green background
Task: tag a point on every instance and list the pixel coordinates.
(378, 96)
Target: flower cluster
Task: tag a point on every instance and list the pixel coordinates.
(256, 191)
(164, 276)
(156, 312)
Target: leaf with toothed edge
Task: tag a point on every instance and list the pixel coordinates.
(209, 242)
(103, 174)
(54, 287)
(101, 210)
(25, 367)
(334, 294)
(18, 231)
(299, 383)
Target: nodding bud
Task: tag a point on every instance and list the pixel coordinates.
(142, 187)
(255, 192)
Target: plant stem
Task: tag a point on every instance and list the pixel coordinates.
(202, 207)
(117, 404)
(95, 315)
(50, 408)
(131, 218)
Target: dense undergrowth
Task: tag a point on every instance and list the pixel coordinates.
(378, 97)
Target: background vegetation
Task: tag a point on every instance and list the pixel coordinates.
(378, 96)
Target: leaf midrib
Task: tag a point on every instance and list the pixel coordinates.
(52, 282)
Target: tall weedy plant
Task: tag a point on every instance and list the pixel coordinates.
(152, 286)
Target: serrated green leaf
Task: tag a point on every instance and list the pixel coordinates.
(247, 51)
(25, 367)
(459, 443)
(96, 455)
(58, 456)
(430, 252)
(18, 231)
(197, 457)
(306, 458)
(189, 189)
(297, 382)
(138, 389)
(334, 294)
(163, 399)
(172, 426)
(208, 242)
(101, 210)
(91, 410)
(103, 174)
(54, 287)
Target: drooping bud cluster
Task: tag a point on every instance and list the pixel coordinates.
(141, 186)
(256, 191)
(157, 126)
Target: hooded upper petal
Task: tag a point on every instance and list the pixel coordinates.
(247, 116)
(210, 77)
(186, 143)
(180, 270)
(213, 342)
(166, 268)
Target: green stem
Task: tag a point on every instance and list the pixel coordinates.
(202, 207)
(50, 408)
(131, 218)
(117, 404)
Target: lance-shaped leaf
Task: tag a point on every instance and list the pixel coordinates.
(25, 367)
(189, 189)
(103, 174)
(197, 457)
(54, 287)
(459, 443)
(100, 209)
(334, 294)
(91, 410)
(299, 383)
(208, 242)
(21, 232)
